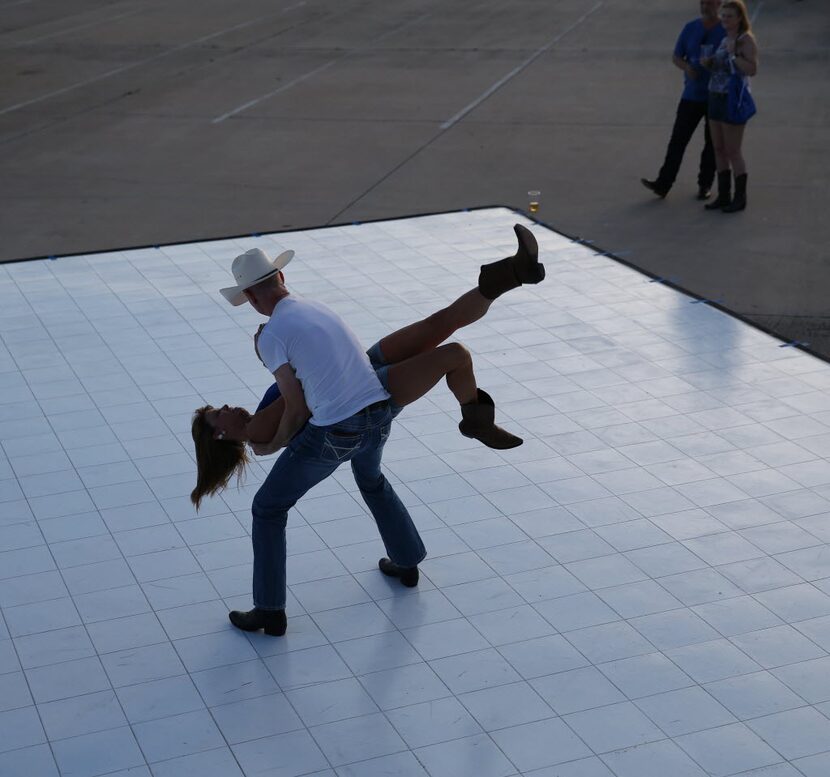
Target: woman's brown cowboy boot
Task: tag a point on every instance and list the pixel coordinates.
(478, 422)
(523, 267)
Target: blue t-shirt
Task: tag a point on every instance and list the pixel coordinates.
(692, 37)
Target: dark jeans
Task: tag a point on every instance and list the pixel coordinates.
(311, 456)
(689, 114)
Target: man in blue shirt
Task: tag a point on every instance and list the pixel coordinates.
(705, 31)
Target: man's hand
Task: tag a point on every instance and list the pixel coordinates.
(262, 449)
(256, 343)
(296, 411)
(691, 71)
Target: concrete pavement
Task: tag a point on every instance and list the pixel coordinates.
(135, 123)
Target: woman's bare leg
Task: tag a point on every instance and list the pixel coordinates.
(431, 331)
(495, 279)
(716, 131)
(733, 135)
(412, 378)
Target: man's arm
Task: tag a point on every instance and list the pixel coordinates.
(295, 414)
(264, 423)
(684, 65)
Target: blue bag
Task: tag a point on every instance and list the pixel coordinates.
(740, 107)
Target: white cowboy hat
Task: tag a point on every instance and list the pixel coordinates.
(249, 269)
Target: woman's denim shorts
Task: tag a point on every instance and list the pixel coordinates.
(716, 109)
(381, 368)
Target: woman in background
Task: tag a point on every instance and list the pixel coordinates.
(737, 53)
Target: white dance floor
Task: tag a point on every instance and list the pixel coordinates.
(642, 589)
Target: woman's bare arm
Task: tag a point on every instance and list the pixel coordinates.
(294, 415)
(263, 425)
(746, 58)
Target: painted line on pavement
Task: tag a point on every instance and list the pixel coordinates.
(131, 66)
(319, 69)
(518, 69)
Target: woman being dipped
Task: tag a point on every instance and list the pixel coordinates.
(408, 363)
(737, 53)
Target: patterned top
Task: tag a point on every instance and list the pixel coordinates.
(720, 70)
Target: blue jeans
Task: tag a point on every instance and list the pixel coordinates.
(311, 456)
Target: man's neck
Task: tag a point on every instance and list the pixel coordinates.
(277, 299)
(709, 21)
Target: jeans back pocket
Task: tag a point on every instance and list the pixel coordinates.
(341, 446)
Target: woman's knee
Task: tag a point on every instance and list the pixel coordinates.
(457, 354)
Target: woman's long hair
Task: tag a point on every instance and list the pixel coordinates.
(216, 460)
(739, 7)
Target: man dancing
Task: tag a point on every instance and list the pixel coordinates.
(337, 408)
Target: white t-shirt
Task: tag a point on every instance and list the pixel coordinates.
(328, 360)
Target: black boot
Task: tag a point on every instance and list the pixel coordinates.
(724, 191)
(655, 186)
(739, 201)
(523, 267)
(407, 575)
(273, 622)
(479, 423)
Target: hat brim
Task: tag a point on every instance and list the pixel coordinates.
(236, 294)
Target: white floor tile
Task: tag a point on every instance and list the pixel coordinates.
(645, 675)
(728, 749)
(98, 753)
(511, 625)
(210, 763)
(412, 684)
(26, 761)
(296, 752)
(754, 695)
(778, 646)
(613, 727)
(20, 728)
(476, 753)
(139, 665)
(159, 699)
(684, 711)
(506, 705)
(178, 735)
(474, 671)
(653, 760)
(577, 690)
(609, 642)
(815, 765)
(540, 744)
(263, 716)
(431, 722)
(64, 680)
(81, 715)
(357, 739)
(794, 733)
(541, 656)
